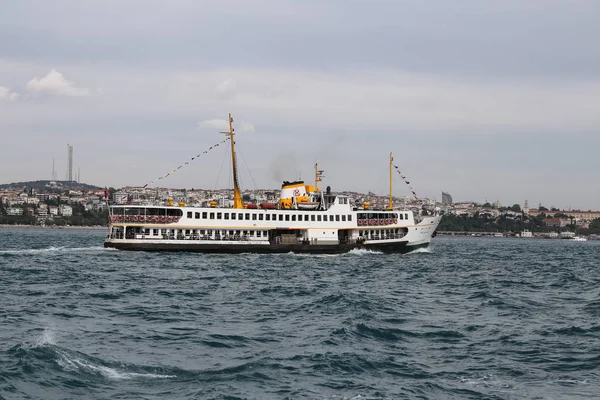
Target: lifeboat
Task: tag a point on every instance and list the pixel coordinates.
(308, 205)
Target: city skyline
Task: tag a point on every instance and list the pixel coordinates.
(493, 100)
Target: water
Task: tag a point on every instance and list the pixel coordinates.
(470, 318)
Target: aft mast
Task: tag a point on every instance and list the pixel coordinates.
(318, 176)
(237, 196)
(391, 206)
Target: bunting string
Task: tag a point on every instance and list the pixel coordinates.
(186, 163)
(407, 182)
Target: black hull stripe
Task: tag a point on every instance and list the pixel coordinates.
(397, 247)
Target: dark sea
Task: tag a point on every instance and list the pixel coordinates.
(468, 318)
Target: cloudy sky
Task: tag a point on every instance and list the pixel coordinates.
(496, 99)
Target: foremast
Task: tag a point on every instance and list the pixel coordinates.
(391, 205)
(237, 196)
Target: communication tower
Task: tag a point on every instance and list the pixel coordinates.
(70, 162)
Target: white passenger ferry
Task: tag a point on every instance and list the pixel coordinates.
(304, 220)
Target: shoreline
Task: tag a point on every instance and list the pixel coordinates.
(53, 227)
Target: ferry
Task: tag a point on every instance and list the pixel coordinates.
(304, 220)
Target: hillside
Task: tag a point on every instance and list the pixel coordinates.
(48, 185)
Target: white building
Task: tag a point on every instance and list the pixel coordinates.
(66, 210)
(14, 211)
(42, 213)
(120, 197)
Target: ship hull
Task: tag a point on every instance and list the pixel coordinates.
(399, 247)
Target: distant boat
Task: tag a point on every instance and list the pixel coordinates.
(578, 239)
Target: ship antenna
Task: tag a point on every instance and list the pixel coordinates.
(237, 196)
(391, 206)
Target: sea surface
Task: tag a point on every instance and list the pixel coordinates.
(468, 318)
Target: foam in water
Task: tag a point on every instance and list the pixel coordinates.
(73, 363)
(52, 249)
(48, 337)
(313, 255)
(421, 250)
(362, 252)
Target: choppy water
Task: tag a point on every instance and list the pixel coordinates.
(470, 318)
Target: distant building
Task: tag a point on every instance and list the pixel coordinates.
(14, 211)
(42, 213)
(65, 210)
(120, 197)
(446, 198)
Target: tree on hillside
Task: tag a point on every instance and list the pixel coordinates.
(515, 208)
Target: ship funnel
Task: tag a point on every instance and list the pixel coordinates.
(292, 192)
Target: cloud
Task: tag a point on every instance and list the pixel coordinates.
(246, 127)
(223, 125)
(226, 89)
(219, 124)
(55, 83)
(7, 95)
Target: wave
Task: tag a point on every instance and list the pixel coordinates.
(44, 349)
(363, 252)
(53, 249)
(421, 250)
(74, 362)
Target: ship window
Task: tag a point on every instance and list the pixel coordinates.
(232, 215)
(202, 231)
(244, 232)
(349, 217)
(306, 217)
(331, 218)
(204, 215)
(197, 215)
(337, 218)
(238, 233)
(155, 232)
(260, 217)
(189, 214)
(312, 217)
(240, 216)
(257, 233)
(406, 215)
(319, 218)
(268, 217)
(287, 217)
(253, 217)
(281, 217)
(343, 218)
(226, 215)
(218, 215)
(293, 217)
(212, 215)
(187, 232)
(401, 216)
